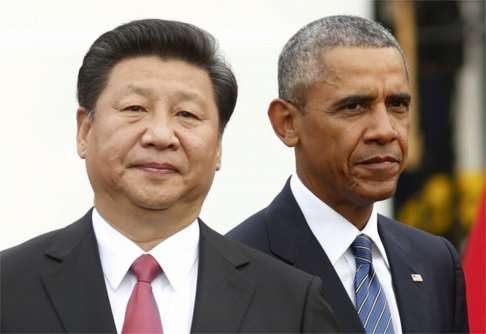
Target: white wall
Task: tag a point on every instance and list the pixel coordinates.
(43, 182)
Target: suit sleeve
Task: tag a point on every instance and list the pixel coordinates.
(460, 324)
(318, 315)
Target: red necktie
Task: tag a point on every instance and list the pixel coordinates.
(142, 314)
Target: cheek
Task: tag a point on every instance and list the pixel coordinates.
(346, 140)
(201, 148)
(351, 146)
(402, 129)
(112, 144)
(331, 150)
(403, 142)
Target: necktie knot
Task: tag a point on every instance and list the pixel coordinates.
(146, 268)
(361, 248)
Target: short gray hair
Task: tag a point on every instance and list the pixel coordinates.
(299, 66)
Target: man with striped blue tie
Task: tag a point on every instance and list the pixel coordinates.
(344, 106)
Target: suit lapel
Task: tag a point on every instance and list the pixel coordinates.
(223, 292)
(292, 241)
(411, 296)
(74, 280)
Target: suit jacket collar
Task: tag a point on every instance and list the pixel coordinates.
(292, 241)
(412, 300)
(76, 285)
(223, 292)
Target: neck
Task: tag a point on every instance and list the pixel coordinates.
(147, 228)
(358, 216)
(355, 212)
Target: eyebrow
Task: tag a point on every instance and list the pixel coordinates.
(188, 96)
(130, 88)
(367, 99)
(180, 95)
(402, 97)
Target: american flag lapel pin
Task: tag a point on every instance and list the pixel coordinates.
(417, 278)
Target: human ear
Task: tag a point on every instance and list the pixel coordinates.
(218, 155)
(84, 123)
(284, 117)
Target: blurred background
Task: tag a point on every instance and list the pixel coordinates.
(442, 190)
(445, 46)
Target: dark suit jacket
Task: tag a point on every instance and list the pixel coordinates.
(435, 305)
(54, 283)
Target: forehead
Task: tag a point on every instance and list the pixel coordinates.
(359, 60)
(152, 77)
(371, 71)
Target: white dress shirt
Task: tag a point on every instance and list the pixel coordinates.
(174, 290)
(336, 234)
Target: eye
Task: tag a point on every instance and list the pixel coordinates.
(186, 114)
(134, 108)
(354, 106)
(399, 106)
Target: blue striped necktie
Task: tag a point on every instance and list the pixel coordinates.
(370, 298)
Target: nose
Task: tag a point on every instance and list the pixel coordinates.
(159, 132)
(381, 129)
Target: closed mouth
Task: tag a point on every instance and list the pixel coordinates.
(157, 167)
(379, 159)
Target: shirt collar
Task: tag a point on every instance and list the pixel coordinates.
(177, 254)
(334, 232)
(371, 230)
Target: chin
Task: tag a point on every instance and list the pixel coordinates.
(153, 203)
(376, 191)
(376, 194)
(154, 206)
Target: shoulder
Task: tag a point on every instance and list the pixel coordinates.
(291, 291)
(415, 235)
(30, 253)
(428, 246)
(289, 297)
(254, 262)
(267, 264)
(252, 231)
(28, 250)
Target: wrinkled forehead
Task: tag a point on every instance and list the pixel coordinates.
(338, 58)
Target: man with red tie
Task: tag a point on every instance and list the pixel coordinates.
(154, 98)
